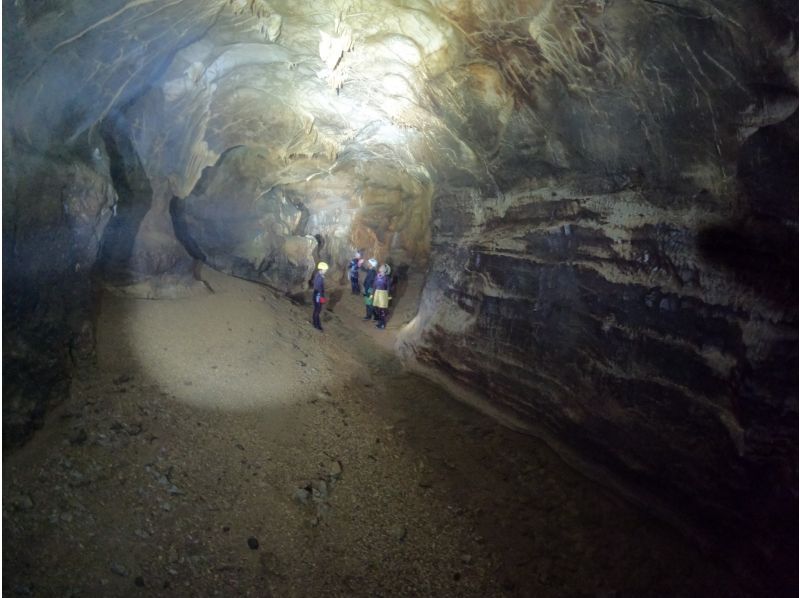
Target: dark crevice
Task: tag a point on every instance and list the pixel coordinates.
(177, 212)
(134, 200)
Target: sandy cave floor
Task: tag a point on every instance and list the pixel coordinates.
(218, 421)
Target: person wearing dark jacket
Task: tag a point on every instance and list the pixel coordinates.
(319, 293)
(355, 266)
(369, 283)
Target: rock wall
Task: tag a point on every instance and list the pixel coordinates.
(596, 320)
(66, 68)
(624, 283)
(55, 210)
(605, 193)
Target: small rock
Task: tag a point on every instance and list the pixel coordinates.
(466, 559)
(335, 470)
(79, 437)
(398, 532)
(22, 502)
(118, 569)
(302, 495)
(174, 490)
(319, 490)
(252, 542)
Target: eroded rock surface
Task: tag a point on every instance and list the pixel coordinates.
(604, 194)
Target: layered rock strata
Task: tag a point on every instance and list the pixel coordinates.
(605, 193)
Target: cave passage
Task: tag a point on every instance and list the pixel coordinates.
(219, 422)
(588, 382)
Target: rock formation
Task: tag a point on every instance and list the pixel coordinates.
(603, 194)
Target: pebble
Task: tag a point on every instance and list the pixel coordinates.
(22, 502)
(319, 490)
(174, 490)
(252, 542)
(79, 437)
(118, 569)
(302, 495)
(466, 559)
(335, 470)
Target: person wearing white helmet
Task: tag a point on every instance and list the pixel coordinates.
(380, 298)
(319, 294)
(355, 266)
(369, 282)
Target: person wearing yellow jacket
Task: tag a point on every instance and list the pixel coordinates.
(380, 298)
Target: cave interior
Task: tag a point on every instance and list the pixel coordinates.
(590, 214)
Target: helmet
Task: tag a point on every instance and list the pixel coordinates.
(373, 262)
(322, 266)
(357, 254)
(387, 269)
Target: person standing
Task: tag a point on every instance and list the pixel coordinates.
(319, 293)
(355, 266)
(369, 283)
(380, 298)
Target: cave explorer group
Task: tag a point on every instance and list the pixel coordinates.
(377, 284)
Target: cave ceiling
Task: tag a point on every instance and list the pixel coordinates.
(458, 92)
(601, 195)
